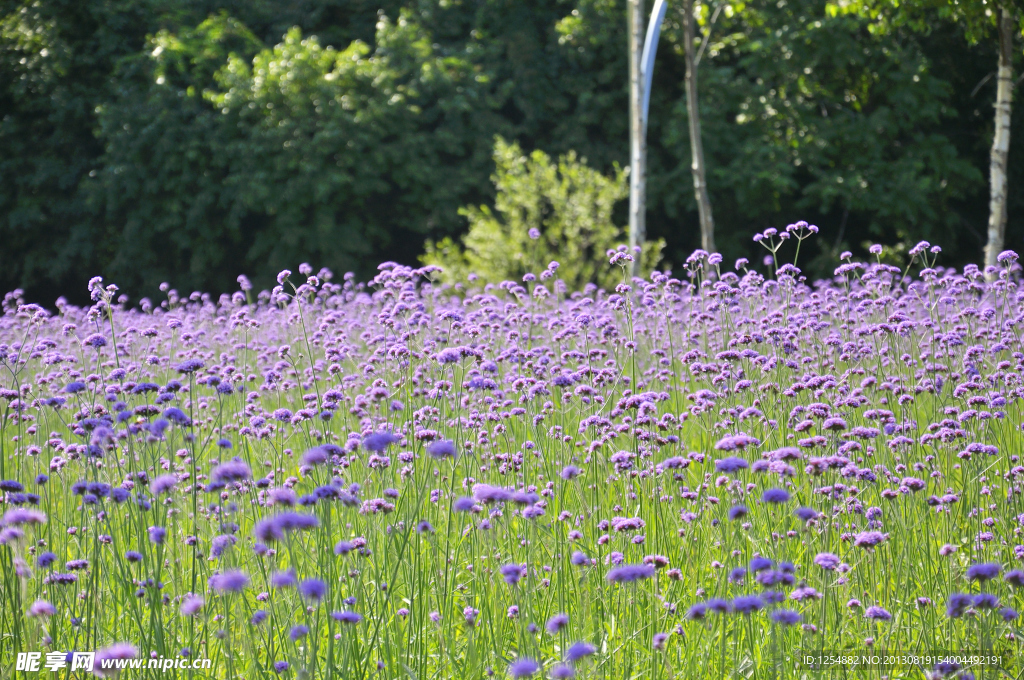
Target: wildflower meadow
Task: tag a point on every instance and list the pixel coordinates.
(711, 473)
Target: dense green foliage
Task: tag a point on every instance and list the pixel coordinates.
(149, 140)
(544, 212)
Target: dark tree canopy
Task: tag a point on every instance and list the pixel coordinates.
(190, 142)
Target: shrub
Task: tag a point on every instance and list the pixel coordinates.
(546, 211)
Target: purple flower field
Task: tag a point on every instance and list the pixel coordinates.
(702, 474)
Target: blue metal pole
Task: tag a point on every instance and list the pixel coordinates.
(650, 50)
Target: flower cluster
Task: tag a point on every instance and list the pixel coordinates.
(336, 479)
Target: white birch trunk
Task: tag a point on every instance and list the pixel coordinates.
(1000, 143)
(700, 185)
(637, 144)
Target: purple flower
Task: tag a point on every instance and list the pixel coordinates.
(313, 589)
(275, 528)
(834, 423)
(786, 617)
(579, 650)
(804, 593)
(697, 612)
(557, 623)
(869, 539)
(157, 535)
(806, 514)
(177, 416)
(511, 573)
(983, 572)
(562, 671)
(163, 484)
(10, 535)
(221, 543)
(775, 496)
(298, 632)
(380, 441)
(315, 456)
(231, 471)
(485, 493)
(532, 512)
(826, 561)
(877, 613)
(522, 668)
(747, 604)
(733, 442)
(731, 464)
(738, 512)
(348, 617)
(658, 641)
(449, 355)
(120, 650)
(771, 577)
(441, 448)
(986, 601)
(570, 472)
(74, 387)
(719, 605)
(61, 579)
(958, 604)
(229, 582)
(629, 573)
(191, 605)
(190, 366)
(41, 608)
(19, 516)
(463, 504)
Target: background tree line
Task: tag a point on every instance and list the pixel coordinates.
(190, 141)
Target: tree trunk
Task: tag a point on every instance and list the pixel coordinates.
(700, 185)
(637, 144)
(1000, 143)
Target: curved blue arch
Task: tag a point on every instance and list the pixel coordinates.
(650, 50)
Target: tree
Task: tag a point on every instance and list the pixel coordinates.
(1000, 141)
(140, 141)
(700, 182)
(637, 136)
(544, 211)
(978, 20)
(297, 152)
